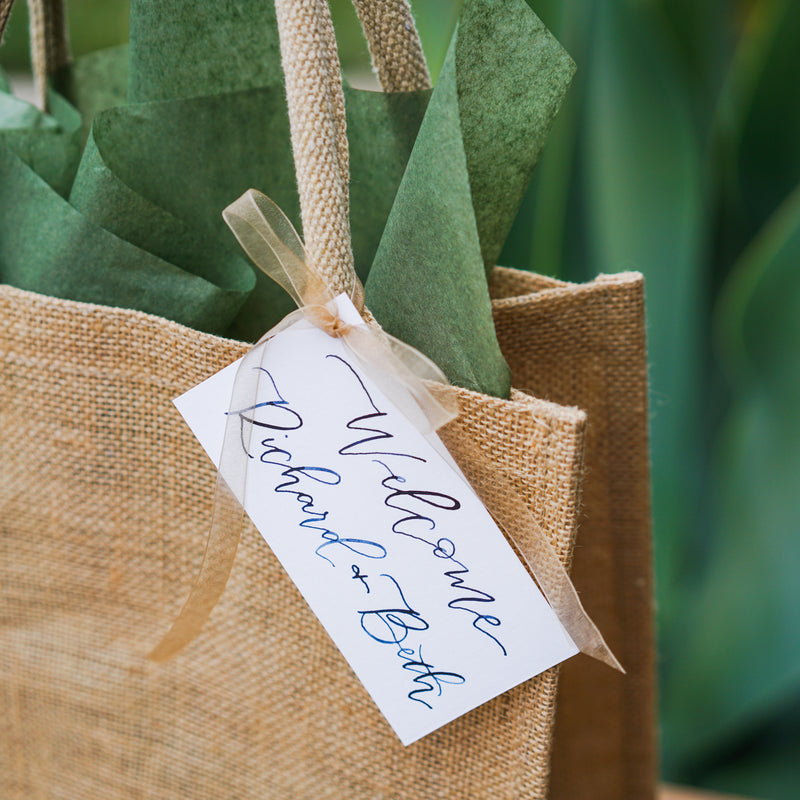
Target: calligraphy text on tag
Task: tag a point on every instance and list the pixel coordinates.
(385, 540)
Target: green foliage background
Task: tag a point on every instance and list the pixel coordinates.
(677, 153)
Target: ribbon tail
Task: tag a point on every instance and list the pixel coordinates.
(269, 238)
(227, 516)
(220, 553)
(563, 598)
(491, 482)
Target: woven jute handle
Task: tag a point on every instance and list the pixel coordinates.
(317, 118)
(394, 45)
(5, 11)
(49, 40)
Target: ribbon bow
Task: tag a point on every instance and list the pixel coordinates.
(415, 385)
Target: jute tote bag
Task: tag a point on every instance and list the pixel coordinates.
(105, 499)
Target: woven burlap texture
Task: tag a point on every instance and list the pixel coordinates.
(317, 118)
(104, 505)
(49, 40)
(585, 346)
(394, 46)
(5, 13)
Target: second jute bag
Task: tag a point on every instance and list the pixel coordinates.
(105, 498)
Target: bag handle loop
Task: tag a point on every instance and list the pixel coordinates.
(49, 40)
(394, 45)
(319, 139)
(5, 11)
(317, 118)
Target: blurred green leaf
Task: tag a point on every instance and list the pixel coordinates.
(436, 21)
(701, 35)
(548, 232)
(742, 652)
(765, 764)
(731, 151)
(623, 185)
(96, 24)
(769, 145)
(645, 209)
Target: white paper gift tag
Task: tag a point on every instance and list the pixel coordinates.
(387, 543)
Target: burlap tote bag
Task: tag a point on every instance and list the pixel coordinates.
(105, 499)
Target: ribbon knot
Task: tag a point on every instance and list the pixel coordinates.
(327, 321)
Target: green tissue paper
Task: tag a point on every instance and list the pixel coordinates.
(181, 49)
(47, 246)
(499, 90)
(50, 144)
(158, 175)
(95, 82)
(142, 225)
(206, 120)
(511, 76)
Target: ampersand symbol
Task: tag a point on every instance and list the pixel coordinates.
(357, 574)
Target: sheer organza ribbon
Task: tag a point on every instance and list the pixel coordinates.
(415, 385)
